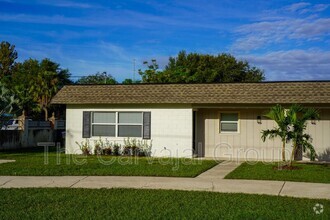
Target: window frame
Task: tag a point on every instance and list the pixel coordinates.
(237, 122)
(116, 124)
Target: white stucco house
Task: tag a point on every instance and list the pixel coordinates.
(185, 120)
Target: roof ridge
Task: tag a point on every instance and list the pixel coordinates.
(211, 83)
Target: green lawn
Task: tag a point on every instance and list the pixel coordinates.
(55, 203)
(32, 163)
(264, 171)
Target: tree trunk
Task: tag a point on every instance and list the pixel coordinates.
(46, 113)
(292, 154)
(283, 150)
(298, 153)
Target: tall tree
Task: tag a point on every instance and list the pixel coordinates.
(44, 86)
(23, 78)
(97, 78)
(8, 55)
(202, 68)
(35, 83)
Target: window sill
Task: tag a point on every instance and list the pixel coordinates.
(229, 133)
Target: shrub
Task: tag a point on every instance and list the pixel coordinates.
(116, 149)
(131, 147)
(98, 147)
(84, 147)
(145, 148)
(137, 147)
(106, 147)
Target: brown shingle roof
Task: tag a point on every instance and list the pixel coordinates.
(223, 93)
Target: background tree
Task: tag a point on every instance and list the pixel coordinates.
(97, 78)
(201, 68)
(8, 55)
(152, 74)
(47, 81)
(23, 77)
(127, 81)
(35, 83)
(130, 81)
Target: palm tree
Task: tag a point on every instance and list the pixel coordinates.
(47, 80)
(44, 88)
(298, 116)
(278, 114)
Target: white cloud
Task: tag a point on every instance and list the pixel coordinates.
(297, 6)
(72, 5)
(284, 30)
(293, 64)
(305, 7)
(114, 51)
(111, 18)
(56, 3)
(315, 8)
(278, 27)
(321, 7)
(40, 19)
(170, 15)
(68, 4)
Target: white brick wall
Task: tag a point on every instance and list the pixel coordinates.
(171, 128)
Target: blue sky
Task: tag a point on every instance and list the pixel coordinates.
(290, 40)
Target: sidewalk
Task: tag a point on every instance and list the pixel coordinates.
(211, 180)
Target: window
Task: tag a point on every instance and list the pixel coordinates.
(117, 124)
(130, 124)
(104, 124)
(229, 122)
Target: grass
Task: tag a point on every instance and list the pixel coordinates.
(55, 203)
(35, 163)
(314, 173)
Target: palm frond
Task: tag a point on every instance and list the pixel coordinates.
(307, 145)
(311, 113)
(270, 133)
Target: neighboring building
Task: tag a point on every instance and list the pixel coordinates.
(182, 120)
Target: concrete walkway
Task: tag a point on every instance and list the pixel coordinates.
(212, 180)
